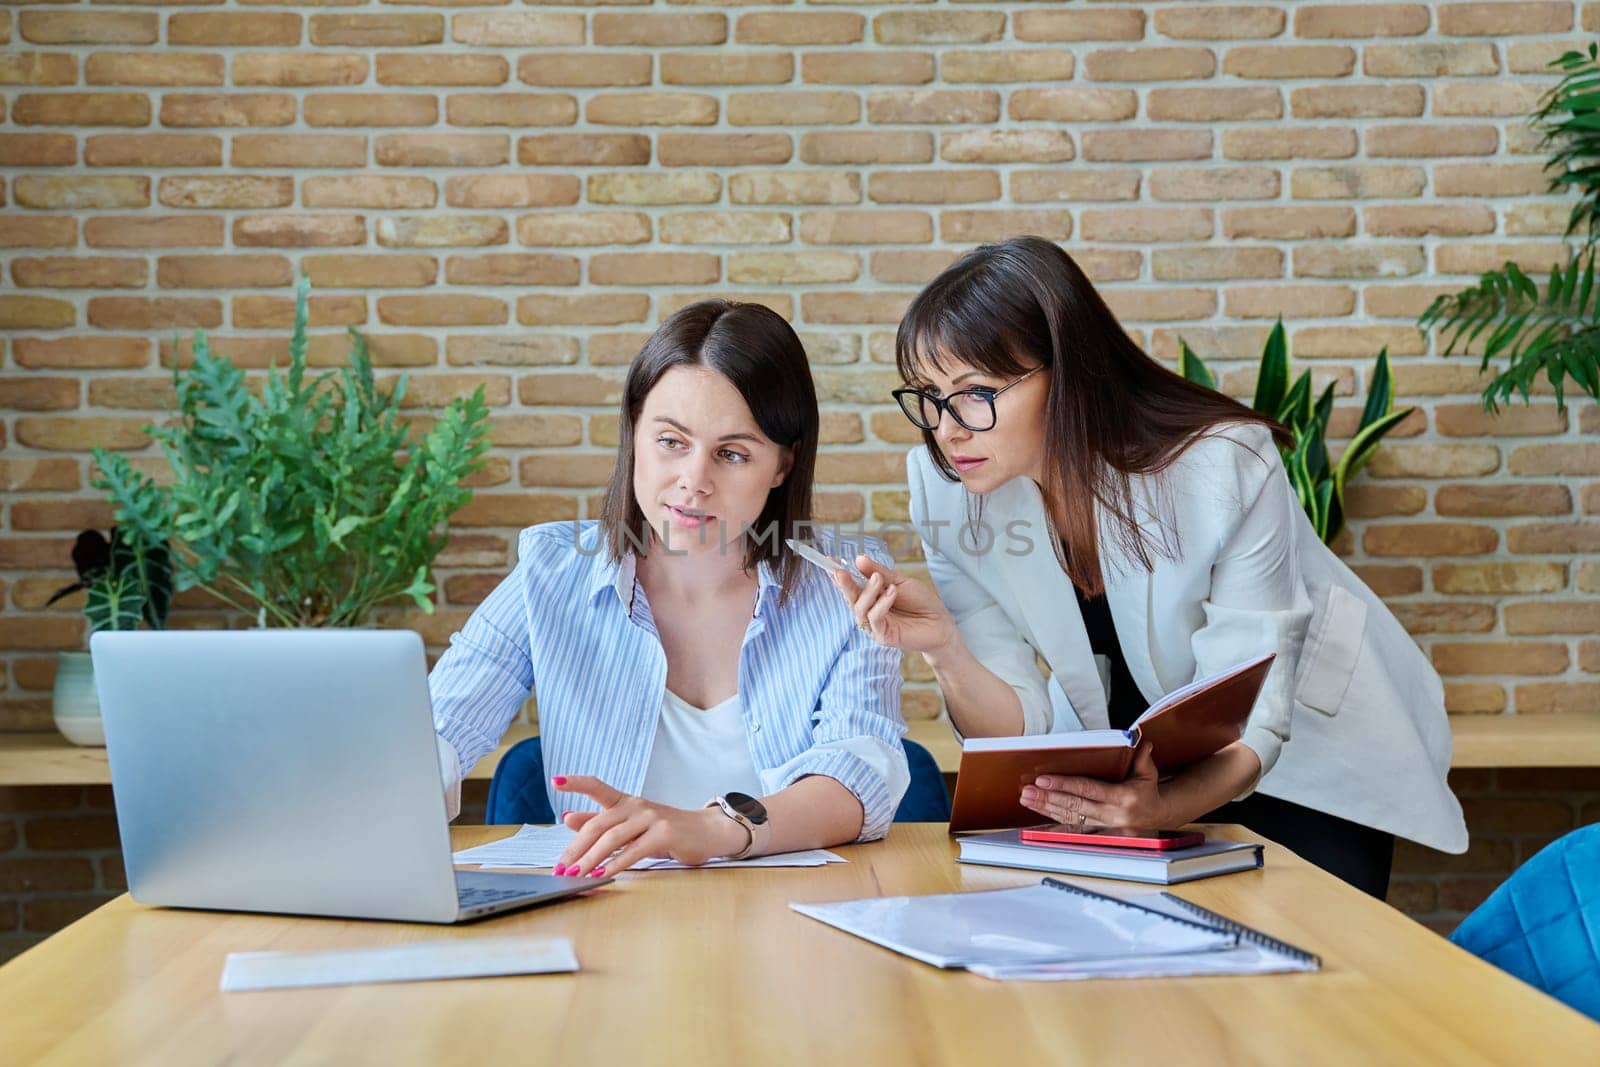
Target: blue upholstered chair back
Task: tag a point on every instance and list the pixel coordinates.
(1543, 924)
(517, 791)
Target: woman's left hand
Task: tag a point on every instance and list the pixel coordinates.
(639, 829)
(1135, 801)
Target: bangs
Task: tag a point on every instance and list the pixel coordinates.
(963, 320)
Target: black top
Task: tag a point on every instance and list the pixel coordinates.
(1125, 703)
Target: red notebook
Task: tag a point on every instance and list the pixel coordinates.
(1185, 726)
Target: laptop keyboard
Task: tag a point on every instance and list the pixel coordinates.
(477, 896)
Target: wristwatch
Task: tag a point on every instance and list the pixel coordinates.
(749, 813)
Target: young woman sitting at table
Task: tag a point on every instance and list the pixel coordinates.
(678, 649)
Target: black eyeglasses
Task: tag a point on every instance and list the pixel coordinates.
(972, 408)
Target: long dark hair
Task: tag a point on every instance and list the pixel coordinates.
(1112, 411)
(755, 349)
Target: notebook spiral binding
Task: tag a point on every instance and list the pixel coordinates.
(1227, 925)
(1248, 933)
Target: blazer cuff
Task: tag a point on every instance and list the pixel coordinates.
(1266, 745)
(450, 773)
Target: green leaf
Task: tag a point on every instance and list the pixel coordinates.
(1273, 379)
(1192, 367)
(1380, 393)
(1362, 446)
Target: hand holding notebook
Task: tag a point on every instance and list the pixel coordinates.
(1183, 727)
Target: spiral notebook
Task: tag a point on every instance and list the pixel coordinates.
(1057, 930)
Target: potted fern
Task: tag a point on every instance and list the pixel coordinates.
(1319, 481)
(1553, 330)
(129, 582)
(306, 501)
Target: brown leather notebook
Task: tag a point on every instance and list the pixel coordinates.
(1185, 726)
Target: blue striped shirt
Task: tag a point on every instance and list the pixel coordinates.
(820, 696)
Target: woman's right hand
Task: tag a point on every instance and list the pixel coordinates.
(896, 609)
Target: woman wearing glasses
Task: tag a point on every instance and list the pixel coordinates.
(1082, 505)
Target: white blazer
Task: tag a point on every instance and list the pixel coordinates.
(1245, 574)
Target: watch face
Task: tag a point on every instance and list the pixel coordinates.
(748, 806)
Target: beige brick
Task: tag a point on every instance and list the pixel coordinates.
(217, 109)
(1431, 59)
(574, 228)
(1557, 698)
(726, 68)
(1384, 261)
(150, 68)
(1471, 420)
(1365, 500)
(1101, 183)
(1500, 657)
(38, 232)
(600, 309)
(1424, 539)
(652, 109)
(797, 27)
(153, 231)
(864, 146)
(1203, 264)
(653, 268)
(517, 29)
(36, 474)
(942, 106)
(723, 149)
(299, 231)
(298, 150)
(1149, 64)
(511, 109)
(1360, 20)
(89, 27)
(1214, 183)
(697, 188)
(299, 69)
(81, 109)
(578, 69)
(1325, 142)
(1463, 258)
(1414, 220)
(440, 150)
(1074, 105)
(107, 191)
(515, 509)
(1486, 100)
(78, 434)
(911, 268)
(1161, 305)
(797, 268)
(1145, 224)
(1388, 580)
(1437, 380)
(1153, 145)
(1288, 301)
(260, 29)
(1220, 22)
(442, 309)
(40, 68)
(377, 31)
(780, 187)
(231, 191)
(866, 68)
(865, 308)
(1432, 140)
(223, 272)
(1433, 461)
(933, 187)
(1496, 19)
(979, 226)
(558, 388)
(441, 231)
(1487, 501)
(655, 31)
(1577, 538)
(1006, 146)
(1534, 57)
(35, 313)
(80, 272)
(584, 149)
(866, 227)
(509, 190)
(1012, 65)
(1474, 698)
(1279, 62)
(1553, 617)
(519, 350)
(38, 149)
(371, 109)
(152, 150)
(1356, 342)
(377, 271)
(793, 108)
(1445, 617)
(444, 69)
(1356, 101)
(277, 312)
(1574, 459)
(1078, 25)
(366, 191)
(1356, 182)
(133, 393)
(38, 394)
(1213, 105)
(154, 313)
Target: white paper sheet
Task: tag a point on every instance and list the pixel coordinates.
(460, 958)
(541, 846)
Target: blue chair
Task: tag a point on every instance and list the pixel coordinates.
(1543, 924)
(517, 791)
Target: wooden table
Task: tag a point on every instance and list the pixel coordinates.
(706, 968)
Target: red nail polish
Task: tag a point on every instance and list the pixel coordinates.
(597, 872)
(561, 868)
(560, 779)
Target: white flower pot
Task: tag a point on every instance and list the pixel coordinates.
(77, 704)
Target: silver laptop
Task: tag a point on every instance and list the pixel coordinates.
(289, 771)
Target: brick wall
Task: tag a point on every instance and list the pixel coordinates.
(513, 195)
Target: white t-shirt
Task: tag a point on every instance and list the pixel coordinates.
(699, 753)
